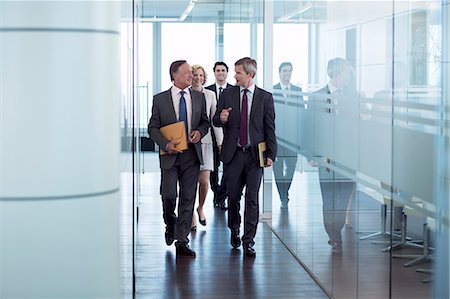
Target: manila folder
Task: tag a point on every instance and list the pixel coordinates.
(262, 154)
(175, 131)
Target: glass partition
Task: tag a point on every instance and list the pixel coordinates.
(360, 185)
(359, 127)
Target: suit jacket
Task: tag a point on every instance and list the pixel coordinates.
(211, 107)
(163, 113)
(294, 89)
(213, 88)
(262, 122)
(326, 175)
(283, 123)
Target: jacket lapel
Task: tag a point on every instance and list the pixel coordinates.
(170, 107)
(194, 106)
(254, 102)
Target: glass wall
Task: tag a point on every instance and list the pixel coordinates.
(129, 159)
(360, 185)
(362, 140)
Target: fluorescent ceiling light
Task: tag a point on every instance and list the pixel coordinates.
(293, 13)
(187, 11)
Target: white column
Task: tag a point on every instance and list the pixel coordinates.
(59, 149)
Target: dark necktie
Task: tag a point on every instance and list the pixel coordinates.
(220, 91)
(183, 112)
(243, 131)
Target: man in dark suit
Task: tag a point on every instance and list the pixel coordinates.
(284, 165)
(246, 114)
(179, 103)
(337, 190)
(220, 190)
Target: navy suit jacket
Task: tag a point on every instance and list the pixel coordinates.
(262, 122)
(164, 114)
(213, 88)
(294, 88)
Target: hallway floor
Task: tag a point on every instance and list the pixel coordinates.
(218, 271)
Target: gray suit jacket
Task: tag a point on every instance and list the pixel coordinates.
(163, 114)
(262, 122)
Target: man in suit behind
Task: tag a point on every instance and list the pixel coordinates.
(220, 190)
(247, 116)
(179, 103)
(337, 190)
(284, 165)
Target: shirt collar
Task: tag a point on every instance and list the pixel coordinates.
(223, 86)
(332, 88)
(177, 90)
(251, 88)
(285, 86)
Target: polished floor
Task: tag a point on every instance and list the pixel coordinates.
(218, 271)
(361, 271)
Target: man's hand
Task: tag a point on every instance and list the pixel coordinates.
(224, 114)
(195, 136)
(269, 162)
(170, 147)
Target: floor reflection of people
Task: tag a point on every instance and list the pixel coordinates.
(284, 165)
(336, 189)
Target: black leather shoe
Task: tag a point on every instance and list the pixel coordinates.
(183, 249)
(169, 235)
(222, 206)
(249, 251)
(235, 240)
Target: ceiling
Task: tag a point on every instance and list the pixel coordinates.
(229, 11)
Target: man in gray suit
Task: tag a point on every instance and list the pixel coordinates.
(179, 103)
(246, 114)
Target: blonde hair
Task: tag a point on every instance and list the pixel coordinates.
(195, 67)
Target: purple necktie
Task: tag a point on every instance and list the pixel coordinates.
(243, 131)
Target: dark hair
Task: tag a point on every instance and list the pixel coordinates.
(336, 66)
(249, 65)
(283, 64)
(220, 63)
(175, 66)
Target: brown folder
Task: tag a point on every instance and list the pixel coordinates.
(262, 154)
(175, 131)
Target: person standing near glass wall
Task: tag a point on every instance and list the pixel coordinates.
(284, 165)
(220, 190)
(337, 190)
(200, 78)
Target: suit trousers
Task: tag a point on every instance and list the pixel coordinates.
(219, 190)
(336, 196)
(243, 171)
(284, 176)
(185, 172)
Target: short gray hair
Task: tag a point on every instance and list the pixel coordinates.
(249, 65)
